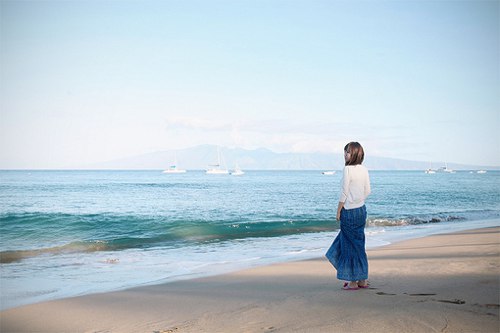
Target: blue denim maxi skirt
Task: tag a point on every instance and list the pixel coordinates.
(347, 253)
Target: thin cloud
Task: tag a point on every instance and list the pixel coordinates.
(197, 123)
(287, 135)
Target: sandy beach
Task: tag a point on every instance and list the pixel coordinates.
(440, 283)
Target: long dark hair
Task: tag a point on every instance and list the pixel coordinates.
(357, 153)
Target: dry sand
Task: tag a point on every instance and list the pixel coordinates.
(441, 283)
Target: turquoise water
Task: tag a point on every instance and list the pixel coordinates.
(67, 233)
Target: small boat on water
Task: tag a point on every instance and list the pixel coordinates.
(173, 168)
(237, 171)
(328, 173)
(217, 169)
(430, 170)
(445, 169)
(481, 171)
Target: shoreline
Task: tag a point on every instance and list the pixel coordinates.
(246, 254)
(442, 282)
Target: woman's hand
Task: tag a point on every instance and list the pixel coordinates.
(339, 209)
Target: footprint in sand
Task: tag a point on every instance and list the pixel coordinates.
(452, 301)
(385, 294)
(494, 306)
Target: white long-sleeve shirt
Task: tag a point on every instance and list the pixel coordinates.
(355, 186)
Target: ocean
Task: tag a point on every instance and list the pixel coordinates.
(69, 233)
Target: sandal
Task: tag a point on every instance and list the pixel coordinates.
(347, 287)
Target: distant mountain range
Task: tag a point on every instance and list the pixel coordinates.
(199, 157)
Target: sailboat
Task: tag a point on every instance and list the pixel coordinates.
(237, 171)
(430, 170)
(217, 169)
(445, 169)
(173, 168)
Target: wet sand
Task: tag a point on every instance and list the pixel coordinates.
(440, 283)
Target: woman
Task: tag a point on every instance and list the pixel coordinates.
(347, 253)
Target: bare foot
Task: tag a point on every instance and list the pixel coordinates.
(363, 284)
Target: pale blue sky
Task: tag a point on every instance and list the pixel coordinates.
(89, 81)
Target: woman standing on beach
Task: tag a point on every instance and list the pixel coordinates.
(347, 253)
